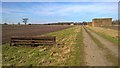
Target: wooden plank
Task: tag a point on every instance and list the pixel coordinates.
(32, 43)
(33, 37)
(33, 40)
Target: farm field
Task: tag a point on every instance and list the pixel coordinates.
(27, 30)
(117, 27)
(67, 51)
(75, 46)
(61, 34)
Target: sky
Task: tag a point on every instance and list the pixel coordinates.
(51, 12)
(60, 0)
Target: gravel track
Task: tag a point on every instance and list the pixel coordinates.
(94, 55)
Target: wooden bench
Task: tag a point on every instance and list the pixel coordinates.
(33, 40)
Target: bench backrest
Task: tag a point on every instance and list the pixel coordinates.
(53, 38)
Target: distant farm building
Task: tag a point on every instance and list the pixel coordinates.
(71, 24)
(102, 22)
(64, 23)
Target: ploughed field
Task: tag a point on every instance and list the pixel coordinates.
(28, 30)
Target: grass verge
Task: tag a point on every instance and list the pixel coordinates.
(77, 59)
(68, 52)
(106, 36)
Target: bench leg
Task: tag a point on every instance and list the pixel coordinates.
(10, 43)
(32, 45)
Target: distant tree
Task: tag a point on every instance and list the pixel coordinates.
(116, 22)
(18, 23)
(29, 24)
(25, 20)
(5, 24)
(84, 23)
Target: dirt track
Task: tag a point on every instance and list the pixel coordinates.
(113, 48)
(96, 55)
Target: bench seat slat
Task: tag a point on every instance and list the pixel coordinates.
(33, 40)
(32, 37)
(34, 43)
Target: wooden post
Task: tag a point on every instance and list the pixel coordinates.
(10, 42)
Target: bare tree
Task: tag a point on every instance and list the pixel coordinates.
(25, 20)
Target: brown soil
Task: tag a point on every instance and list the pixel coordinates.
(28, 30)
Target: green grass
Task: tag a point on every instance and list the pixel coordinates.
(108, 37)
(77, 60)
(34, 56)
(20, 55)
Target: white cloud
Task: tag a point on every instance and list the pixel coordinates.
(12, 10)
(66, 9)
(71, 9)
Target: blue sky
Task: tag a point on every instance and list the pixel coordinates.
(60, 0)
(44, 12)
